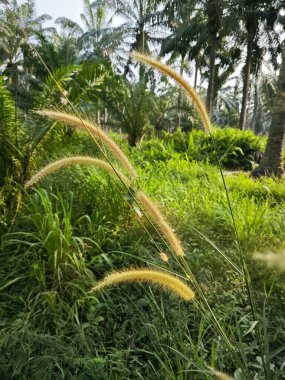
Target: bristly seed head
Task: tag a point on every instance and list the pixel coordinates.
(164, 256)
(155, 215)
(219, 375)
(191, 93)
(163, 279)
(95, 131)
(69, 161)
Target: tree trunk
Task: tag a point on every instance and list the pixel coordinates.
(246, 86)
(133, 138)
(214, 12)
(272, 162)
(179, 99)
(255, 109)
(212, 71)
(196, 75)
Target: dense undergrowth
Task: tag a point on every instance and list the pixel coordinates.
(79, 224)
(234, 148)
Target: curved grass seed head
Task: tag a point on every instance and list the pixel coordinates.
(77, 160)
(163, 256)
(191, 93)
(219, 375)
(162, 279)
(95, 131)
(155, 215)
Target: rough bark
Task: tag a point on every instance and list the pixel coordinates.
(272, 162)
(133, 138)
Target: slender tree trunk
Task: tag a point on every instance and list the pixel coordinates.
(196, 75)
(246, 84)
(106, 119)
(255, 109)
(272, 161)
(213, 9)
(212, 71)
(179, 99)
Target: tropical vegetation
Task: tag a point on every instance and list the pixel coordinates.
(141, 191)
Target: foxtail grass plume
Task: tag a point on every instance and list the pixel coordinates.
(191, 93)
(155, 215)
(76, 122)
(165, 280)
(163, 256)
(69, 161)
(272, 260)
(219, 375)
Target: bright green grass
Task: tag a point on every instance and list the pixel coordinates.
(55, 329)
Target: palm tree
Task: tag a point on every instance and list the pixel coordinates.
(19, 29)
(272, 161)
(138, 28)
(259, 20)
(200, 31)
(96, 38)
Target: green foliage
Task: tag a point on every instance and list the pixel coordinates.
(82, 84)
(49, 259)
(235, 149)
(151, 151)
(177, 140)
(8, 133)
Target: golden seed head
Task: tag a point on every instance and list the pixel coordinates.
(155, 215)
(219, 375)
(272, 260)
(93, 130)
(191, 93)
(163, 279)
(69, 161)
(164, 256)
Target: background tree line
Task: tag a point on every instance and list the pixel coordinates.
(232, 60)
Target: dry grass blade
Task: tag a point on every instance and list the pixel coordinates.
(165, 280)
(70, 161)
(155, 215)
(76, 122)
(192, 94)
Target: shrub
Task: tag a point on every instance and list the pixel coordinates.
(234, 148)
(151, 151)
